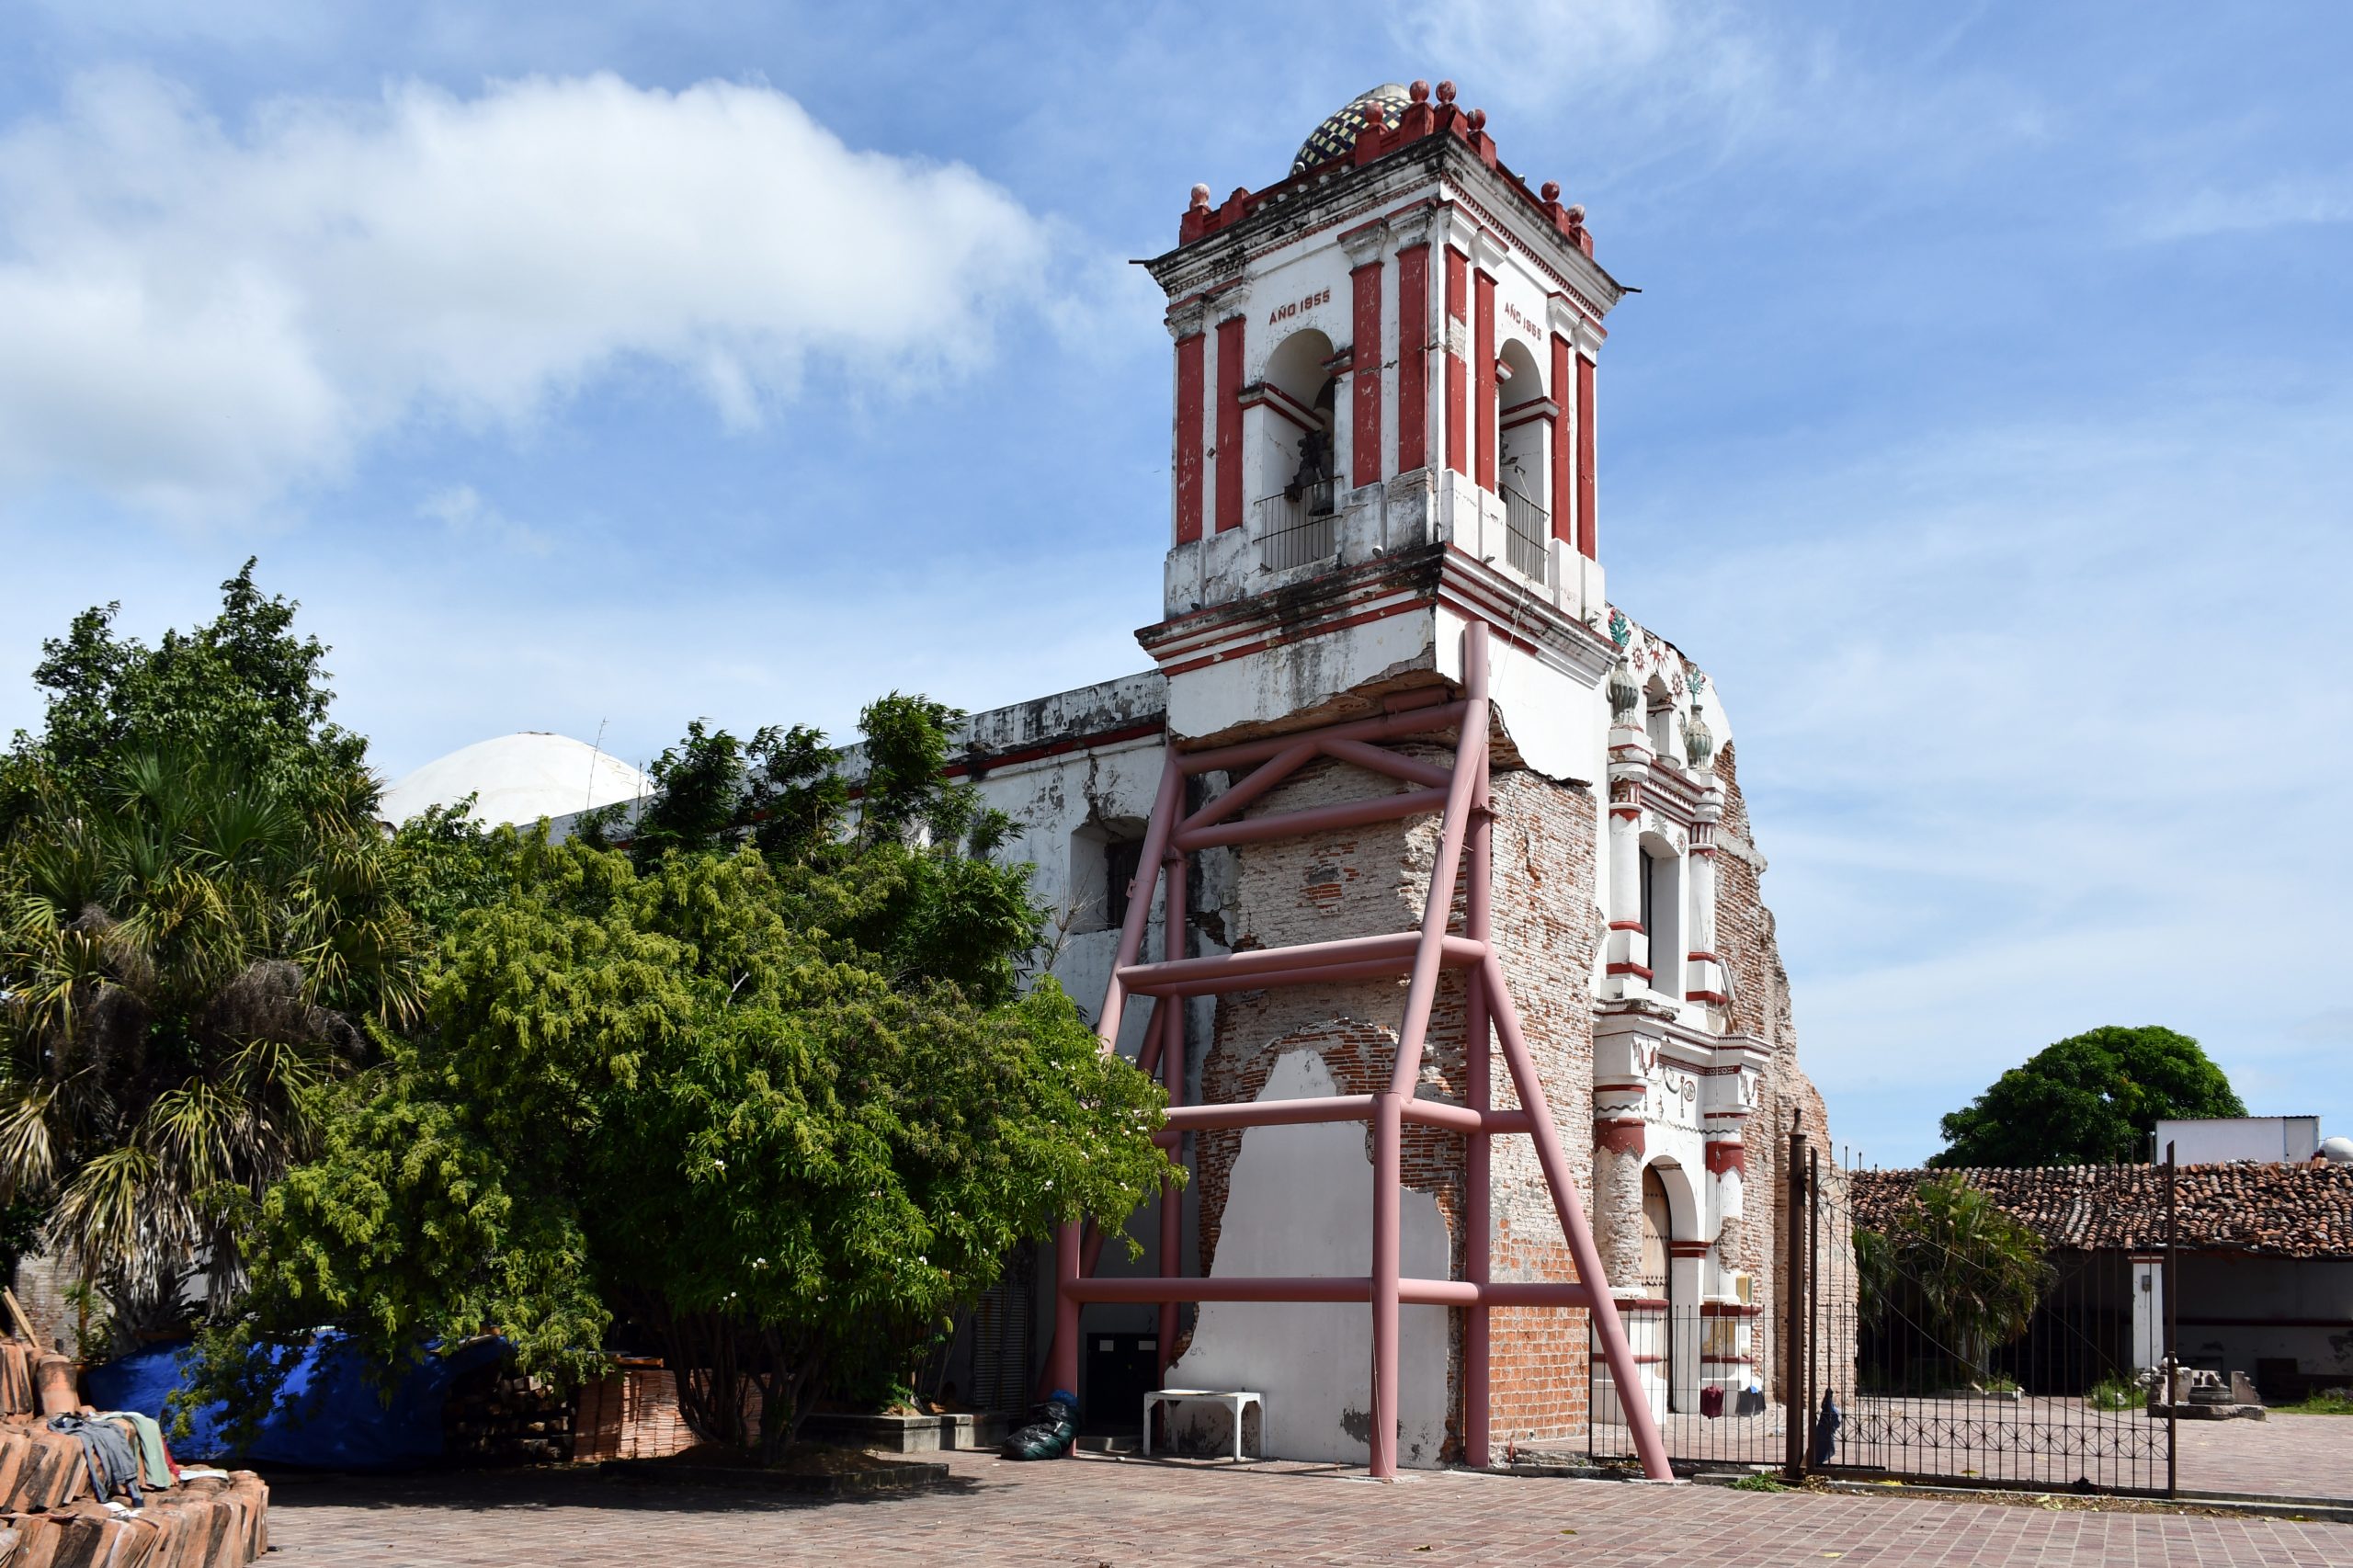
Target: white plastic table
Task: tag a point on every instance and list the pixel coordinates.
(1233, 1398)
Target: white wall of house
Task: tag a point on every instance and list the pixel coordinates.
(2220, 1140)
(2237, 1310)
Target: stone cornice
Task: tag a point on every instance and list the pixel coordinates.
(1412, 226)
(1691, 1049)
(1365, 244)
(1343, 197)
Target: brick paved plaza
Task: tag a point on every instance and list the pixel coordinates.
(1089, 1511)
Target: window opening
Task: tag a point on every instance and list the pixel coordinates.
(1661, 725)
(1661, 920)
(1648, 920)
(1122, 858)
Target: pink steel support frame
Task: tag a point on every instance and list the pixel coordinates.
(1462, 794)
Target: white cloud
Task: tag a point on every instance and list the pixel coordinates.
(460, 509)
(1664, 93)
(2287, 201)
(2041, 730)
(195, 316)
(1670, 55)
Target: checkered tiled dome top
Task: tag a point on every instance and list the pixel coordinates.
(1338, 134)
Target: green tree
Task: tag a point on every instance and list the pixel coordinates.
(929, 900)
(1953, 1276)
(197, 921)
(2094, 1098)
(444, 863)
(186, 953)
(241, 690)
(778, 1115)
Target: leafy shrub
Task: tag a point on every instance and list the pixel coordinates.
(2113, 1392)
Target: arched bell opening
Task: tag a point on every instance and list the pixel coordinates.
(1295, 405)
(1523, 467)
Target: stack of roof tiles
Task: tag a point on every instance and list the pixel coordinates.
(2276, 1210)
(47, 1516)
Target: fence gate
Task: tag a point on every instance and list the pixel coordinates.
(1934, 1348)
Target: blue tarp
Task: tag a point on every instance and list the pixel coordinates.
(329, 1416)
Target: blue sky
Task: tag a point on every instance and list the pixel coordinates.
(1984, 425)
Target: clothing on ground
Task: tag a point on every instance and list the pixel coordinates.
(155, 1464)
(113, 1466)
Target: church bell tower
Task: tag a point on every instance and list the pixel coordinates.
(1384, 410)
(1422, 940)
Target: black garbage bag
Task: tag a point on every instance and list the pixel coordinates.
(1052, 1428)
(1825, 1430)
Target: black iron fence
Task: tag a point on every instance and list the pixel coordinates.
(1947, 1345)
(1700, 1389)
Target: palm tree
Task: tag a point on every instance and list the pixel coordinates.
(185, 959)
(1953, 1270)
(1980, 1271)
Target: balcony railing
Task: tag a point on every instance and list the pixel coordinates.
(1294, 530)
(1528, 535)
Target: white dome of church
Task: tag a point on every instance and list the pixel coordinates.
(516, 779)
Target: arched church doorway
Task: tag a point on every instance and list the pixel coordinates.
(1658, 1271)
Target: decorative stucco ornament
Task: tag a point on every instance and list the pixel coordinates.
(1621, 630)
(1624, 694)
(1698, 743)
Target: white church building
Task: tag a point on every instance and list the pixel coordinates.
(1384, 504)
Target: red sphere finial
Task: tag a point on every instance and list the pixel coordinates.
(1419, 92)
(1201, 197)
(1445, 92)
(1478, 119)
(1576, 216)
(1551, 192)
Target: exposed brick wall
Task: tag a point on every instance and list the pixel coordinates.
(1747, 941)
(1745, 934)
(1537, 1377)
(41, 1281)
(1357, 882)
(1549, 926)
(1371, 880)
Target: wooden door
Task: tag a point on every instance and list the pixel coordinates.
(1658, 1275)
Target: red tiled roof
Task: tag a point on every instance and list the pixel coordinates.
(2282, 1210)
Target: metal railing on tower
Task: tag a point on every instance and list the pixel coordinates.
(1528, 535)
(1298, 526)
